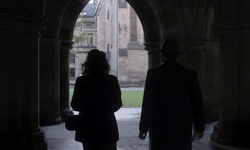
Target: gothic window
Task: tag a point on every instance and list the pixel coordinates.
(88, 25)
(90, 39)
(72, 59)
(72, 72)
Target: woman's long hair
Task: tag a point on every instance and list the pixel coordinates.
(96, 63)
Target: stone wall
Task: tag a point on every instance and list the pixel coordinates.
(137, 65)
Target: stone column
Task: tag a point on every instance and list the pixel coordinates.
(49, 82)
(65, 108)
(233, 128)
(203, 57)
(19, 83)
(153, 49)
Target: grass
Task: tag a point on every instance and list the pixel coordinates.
(130, 98)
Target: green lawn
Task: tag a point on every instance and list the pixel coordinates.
(130, 98)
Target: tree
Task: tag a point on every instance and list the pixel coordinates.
(79, 34)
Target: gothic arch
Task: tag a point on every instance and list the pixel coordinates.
(194, 19)
(148, 20)
(53, 18)
(188, 22)
(61, 22)
(69, 18)
(43, 55)
(209, 21)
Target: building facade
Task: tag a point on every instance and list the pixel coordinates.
(115, 29)
(85, 39)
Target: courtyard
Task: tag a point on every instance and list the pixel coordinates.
(59, 138)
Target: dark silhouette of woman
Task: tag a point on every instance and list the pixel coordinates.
(97, 96)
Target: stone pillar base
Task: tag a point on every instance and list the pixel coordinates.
(223, 147)
(65, 113)
(24, 141)
(231, 136)
(50, 121)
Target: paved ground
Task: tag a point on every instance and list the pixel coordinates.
(128, 119)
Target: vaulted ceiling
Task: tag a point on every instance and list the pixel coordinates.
(181, 19)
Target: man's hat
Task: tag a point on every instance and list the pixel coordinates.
(170, 48)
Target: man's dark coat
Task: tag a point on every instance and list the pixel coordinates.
(97, 97)
(172, 100)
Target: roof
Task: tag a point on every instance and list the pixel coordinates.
(88, 10)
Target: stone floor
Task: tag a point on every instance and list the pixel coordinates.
(59, 138)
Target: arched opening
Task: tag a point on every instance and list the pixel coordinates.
(36, 38)
(121, 37)
(112, 27)
(155, 25)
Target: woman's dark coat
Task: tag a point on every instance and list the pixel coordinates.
(172, 99)
(97, 97)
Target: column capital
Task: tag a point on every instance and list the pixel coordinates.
(153, 49)
(152, 46)
(66, 45)
(50, 39)
(232, 30)
(196, 45)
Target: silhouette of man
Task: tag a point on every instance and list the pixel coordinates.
(172, 101)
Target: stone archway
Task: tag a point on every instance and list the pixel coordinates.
(188, 21)
(170, 21)
(163, 19)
